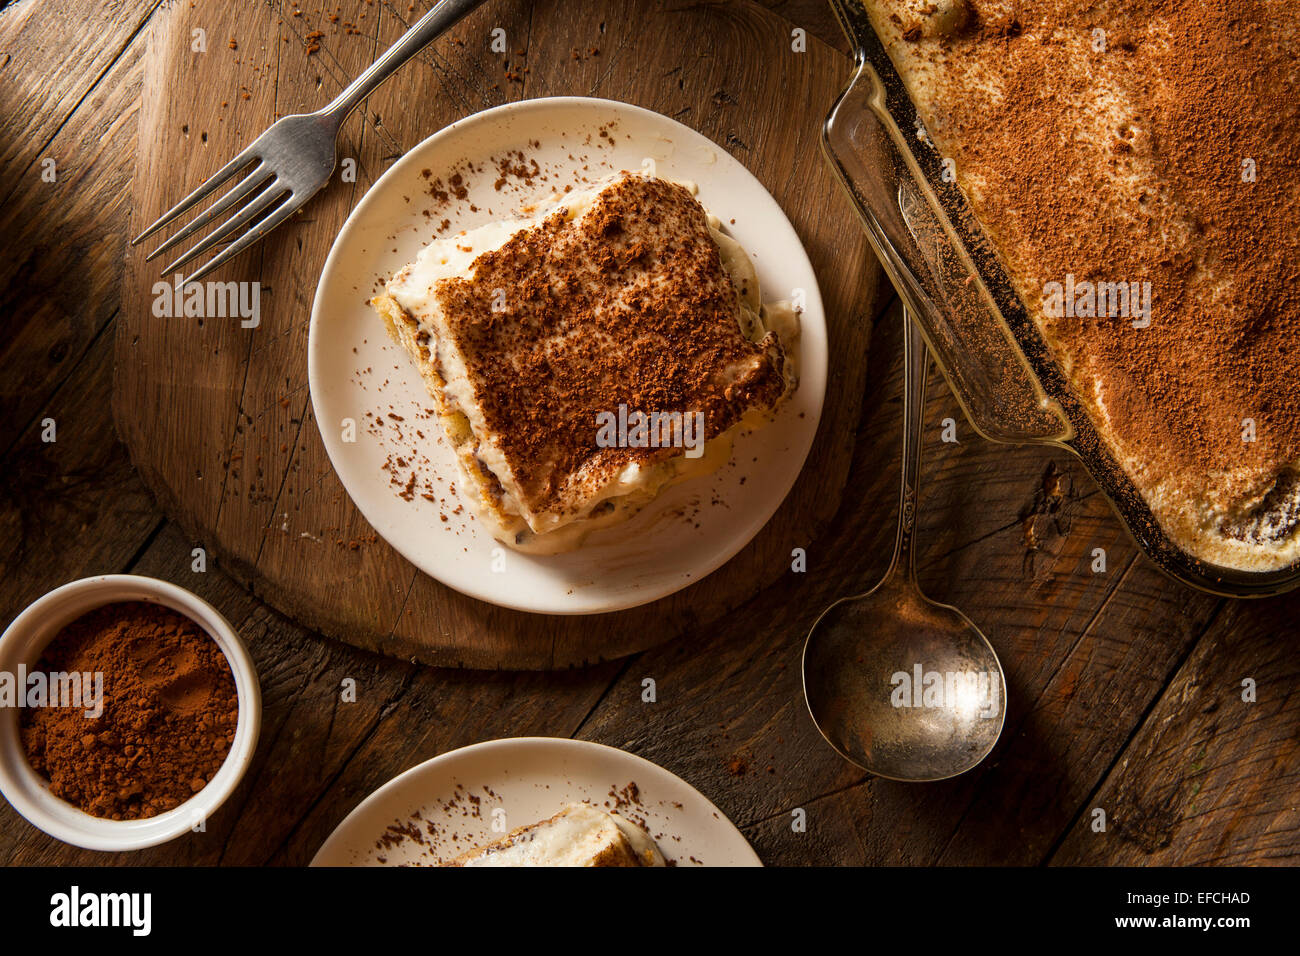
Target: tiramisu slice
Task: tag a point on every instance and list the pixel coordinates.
(579, 835)
(1134, 164)
(587, 356)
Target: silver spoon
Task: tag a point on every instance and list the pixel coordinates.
(900, 685)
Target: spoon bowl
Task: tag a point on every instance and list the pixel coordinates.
(902, 686)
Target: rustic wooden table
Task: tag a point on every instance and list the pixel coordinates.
(1126, 690)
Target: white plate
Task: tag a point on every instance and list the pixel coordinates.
(357, 374)
(519, 781)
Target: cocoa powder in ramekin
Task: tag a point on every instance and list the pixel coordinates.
(170, 709)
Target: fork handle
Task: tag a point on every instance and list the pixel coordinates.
(433, 24)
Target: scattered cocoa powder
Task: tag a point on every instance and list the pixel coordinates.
(169, 713)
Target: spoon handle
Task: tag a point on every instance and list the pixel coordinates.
(916, 359)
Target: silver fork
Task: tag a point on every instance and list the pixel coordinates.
(294, 159)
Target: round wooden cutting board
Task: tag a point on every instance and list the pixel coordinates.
(218, 418)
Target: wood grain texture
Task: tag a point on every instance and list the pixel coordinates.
(218, 419)
(70, 506)
(63, 223)
(74, 506)
(1210, 779)
(38, 89)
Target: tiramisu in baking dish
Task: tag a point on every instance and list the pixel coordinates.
(589, 354)
(579, 835)
(1133, 164)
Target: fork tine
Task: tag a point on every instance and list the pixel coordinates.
(216, 179)
(282, 213)
(256, 178)
(274, 191)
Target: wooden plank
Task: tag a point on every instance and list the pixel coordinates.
(1061, 739)
(1210, 778)
(61, 283)
(72, 506)
(185, 140)
(49, 61)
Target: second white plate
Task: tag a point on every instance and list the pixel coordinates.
(373, 410)
(472, 796)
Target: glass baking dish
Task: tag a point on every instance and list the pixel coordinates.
(952, 282)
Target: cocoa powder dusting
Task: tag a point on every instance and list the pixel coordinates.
(170, 710)
(627, 305)
(1140, 141)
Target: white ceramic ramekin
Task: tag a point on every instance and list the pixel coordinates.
(29, 794)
